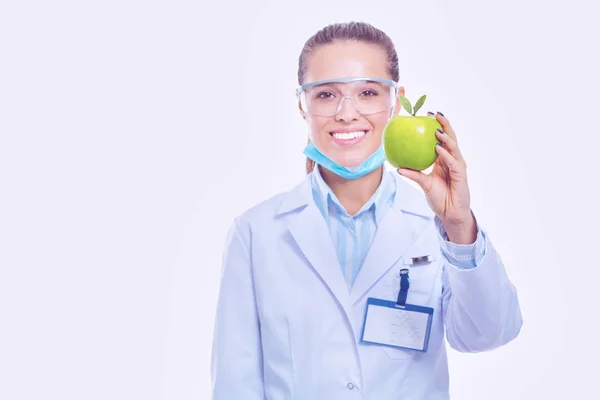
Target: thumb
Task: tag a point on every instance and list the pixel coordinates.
(415, 176)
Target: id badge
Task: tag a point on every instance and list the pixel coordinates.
(397, 324)
(402, 326)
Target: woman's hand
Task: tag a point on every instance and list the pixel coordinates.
(446, 187)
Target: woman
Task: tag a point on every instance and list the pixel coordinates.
(300, 269)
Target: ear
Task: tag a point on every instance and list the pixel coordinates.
(398, 106)
(302, 113)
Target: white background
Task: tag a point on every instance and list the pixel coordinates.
(132, 132)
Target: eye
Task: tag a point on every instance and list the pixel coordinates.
(324, 95)
(369, 93)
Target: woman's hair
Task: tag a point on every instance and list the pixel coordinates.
(358, 31)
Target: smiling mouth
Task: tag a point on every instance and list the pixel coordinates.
(348, 135)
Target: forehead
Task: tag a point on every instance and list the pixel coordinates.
(342, 59)
(353, 85)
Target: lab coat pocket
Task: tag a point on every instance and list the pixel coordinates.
(423, 276)
(423, 271)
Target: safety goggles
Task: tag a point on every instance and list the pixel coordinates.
(325, 98)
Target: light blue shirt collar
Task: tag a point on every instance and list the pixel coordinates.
(380, 201)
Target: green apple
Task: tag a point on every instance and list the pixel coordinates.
(409, 141)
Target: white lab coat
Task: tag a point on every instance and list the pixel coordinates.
(288, 327)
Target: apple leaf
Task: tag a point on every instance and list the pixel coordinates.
(406, 104)
(419, 104)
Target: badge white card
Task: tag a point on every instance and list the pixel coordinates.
(389, 324)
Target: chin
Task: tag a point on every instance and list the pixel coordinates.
(349, 161)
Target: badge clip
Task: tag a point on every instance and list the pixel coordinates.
(418, 261)
(404, 286)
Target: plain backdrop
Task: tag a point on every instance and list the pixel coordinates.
(133, 132)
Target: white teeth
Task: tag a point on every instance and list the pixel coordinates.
(349, 135)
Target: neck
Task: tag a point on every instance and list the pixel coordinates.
(353, 193)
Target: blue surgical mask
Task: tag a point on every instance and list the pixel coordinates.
(369, 165)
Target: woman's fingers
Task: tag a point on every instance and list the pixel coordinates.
(446, 127)
(453, 164)
(447, 136)
(449, 144)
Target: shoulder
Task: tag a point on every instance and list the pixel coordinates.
(267, 210)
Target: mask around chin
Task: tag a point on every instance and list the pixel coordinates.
(368, 165)
(354, 165)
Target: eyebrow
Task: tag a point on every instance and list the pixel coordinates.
(338, 84)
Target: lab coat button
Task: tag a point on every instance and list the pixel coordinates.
(350, 386)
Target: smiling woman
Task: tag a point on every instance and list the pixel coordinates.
(350, 284)
(340, 51)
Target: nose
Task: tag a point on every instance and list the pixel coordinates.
(346, 110)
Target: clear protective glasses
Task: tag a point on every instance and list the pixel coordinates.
(368, 95)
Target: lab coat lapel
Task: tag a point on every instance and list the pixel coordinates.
(310, 232)
(396, 233)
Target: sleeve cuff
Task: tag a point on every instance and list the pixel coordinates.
(462, 256)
